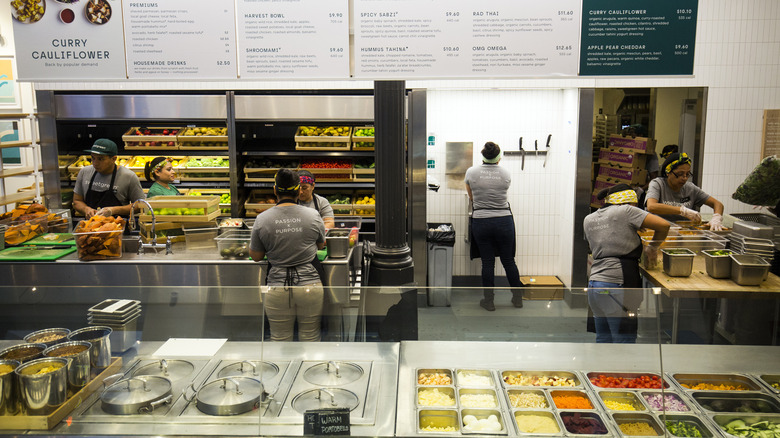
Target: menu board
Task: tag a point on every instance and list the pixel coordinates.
(171, 39)
(641, 37)
(463, 38)
(293, 38)
(770, 135)
(65, 40)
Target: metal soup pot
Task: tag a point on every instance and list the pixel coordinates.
(229, 396)
(100, 353)
(77, 353)
(136, 395)
(48, 337)
(43, 384)
(9, 395)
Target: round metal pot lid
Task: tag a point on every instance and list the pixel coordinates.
(136, 391)
(257, 369)
(325, 398)
(333, 373)
(171, 369)
(229, 395)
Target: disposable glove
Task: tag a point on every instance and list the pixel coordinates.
(105, 211)
(716, 222)
(694, 216)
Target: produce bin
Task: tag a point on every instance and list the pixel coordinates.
(748, 269)
(258, 202)
(441, 240)
(210, 138)
(234, 244)
(159, 138)
(182, 209)
(200, 236)
(329, 169)
(717, 263)
(678, 262)
(323, 138)
(363, 138)
(340, 201)
(99, 245)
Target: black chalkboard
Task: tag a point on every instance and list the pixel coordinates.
(326, 422)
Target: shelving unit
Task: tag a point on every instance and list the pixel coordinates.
(24, 122)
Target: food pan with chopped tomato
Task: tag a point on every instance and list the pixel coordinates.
(626, 380)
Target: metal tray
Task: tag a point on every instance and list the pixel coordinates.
(736, 401)
(768, 380)
(627, 397)
(448, 391)
(438, 418)
(722, 419)
(460, 373)
(445, 371)
(682, 399)
(571, 375)
(715, 379)
(545, 394)
(537, 412)
(638, 417)
(594, 374)
(706, 431)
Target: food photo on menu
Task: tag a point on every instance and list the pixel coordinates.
(31, 11)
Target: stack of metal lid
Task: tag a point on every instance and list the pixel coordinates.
(753, 238)
(122, 317)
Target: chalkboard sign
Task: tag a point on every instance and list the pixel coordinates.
(326, 422)
(770, 136)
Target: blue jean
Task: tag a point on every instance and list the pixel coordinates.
(612, 323)
(495, 236)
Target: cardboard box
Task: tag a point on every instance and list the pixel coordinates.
(600, 184)
(542, 287)
(594, 201)
(642, 145)
(627, 158)
(617, 174)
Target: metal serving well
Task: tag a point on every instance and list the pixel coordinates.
(558, 375)
(736, 401)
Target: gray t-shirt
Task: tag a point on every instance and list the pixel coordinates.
(325, 209)
(288, 234)
(489, 184)
(689, 195)
(127, 186)
(612, 233)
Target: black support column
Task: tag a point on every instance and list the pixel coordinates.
(392, 263)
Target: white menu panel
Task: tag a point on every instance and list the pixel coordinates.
(464, 38)
(180, 39)
(293, 38)
(64, 40)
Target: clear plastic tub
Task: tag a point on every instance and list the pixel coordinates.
(200, 237)
(234, 244)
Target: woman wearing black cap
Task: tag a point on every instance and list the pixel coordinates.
(161, 172)
(673, 194)
(492, 223)
(611, 232)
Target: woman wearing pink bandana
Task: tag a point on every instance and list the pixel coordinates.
(308, 198)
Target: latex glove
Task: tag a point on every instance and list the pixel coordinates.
(105, 211)
(650, 254)
(716, 222)
(694, 216)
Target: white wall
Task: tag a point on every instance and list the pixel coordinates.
(737, 57)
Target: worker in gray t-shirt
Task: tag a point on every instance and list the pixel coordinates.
(290, 235)
(611, 232)
(308, 198)
(673, 194)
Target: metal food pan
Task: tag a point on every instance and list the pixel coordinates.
(544, 394)
(705, 430)
(722, 420)
(769, 379)
(447, 390)
(548, 374)
(715, 379)
(628, 397)
(595, 374)
(475, 391)
(546, 414)
(736, 401)
(480, 373)
(688, 404)
(482, 414)
(574, 392)
(439, 418)
(444, 371)
(638, 417)
(587, 415)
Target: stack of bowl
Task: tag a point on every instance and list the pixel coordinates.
(122, 317)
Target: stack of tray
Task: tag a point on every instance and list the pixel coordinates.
(122, 317)
(742, 244)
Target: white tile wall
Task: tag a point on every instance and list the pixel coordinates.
(737, 57)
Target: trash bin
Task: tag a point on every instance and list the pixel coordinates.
(441, 239)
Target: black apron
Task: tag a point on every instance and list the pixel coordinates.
(473, 247)
(316, 263)
(632, 279)
(107, 198)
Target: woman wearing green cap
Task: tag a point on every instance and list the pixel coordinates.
(104, 188)
(673, 194)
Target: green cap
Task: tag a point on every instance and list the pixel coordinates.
(103, 146)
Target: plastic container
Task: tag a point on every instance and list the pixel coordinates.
(99, 245)
(678, 262)
(200, 237)
(717, 265)
(748, 269)
(234, 244)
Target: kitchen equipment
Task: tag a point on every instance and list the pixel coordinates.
(736, 401)
(753, 229)
(337, 243)
(748, 269)
(48, 337)
(691, 422)
(136, 395)
(9, 395)
(174, 370)
(23, 352)
(717, 263)
(547, 150)
(259, 370)
(229, 395)
(98, 336)
(333, 373)
(35, 253)
(200, 237)
(43, 384)
(234, 244)
(761, 218)
(78, 368)
(678, 262)
(325, 398)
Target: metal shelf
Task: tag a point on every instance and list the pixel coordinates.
(347, 154)
(320, 185)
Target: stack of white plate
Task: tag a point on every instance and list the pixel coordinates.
(742, 244)
(122, 317)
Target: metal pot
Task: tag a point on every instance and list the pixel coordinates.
(59, 335)
(43, 391)
(136, 395)
(23, 352)
(9, 395)
(78, 363)
(100, 353)
(229, 396)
